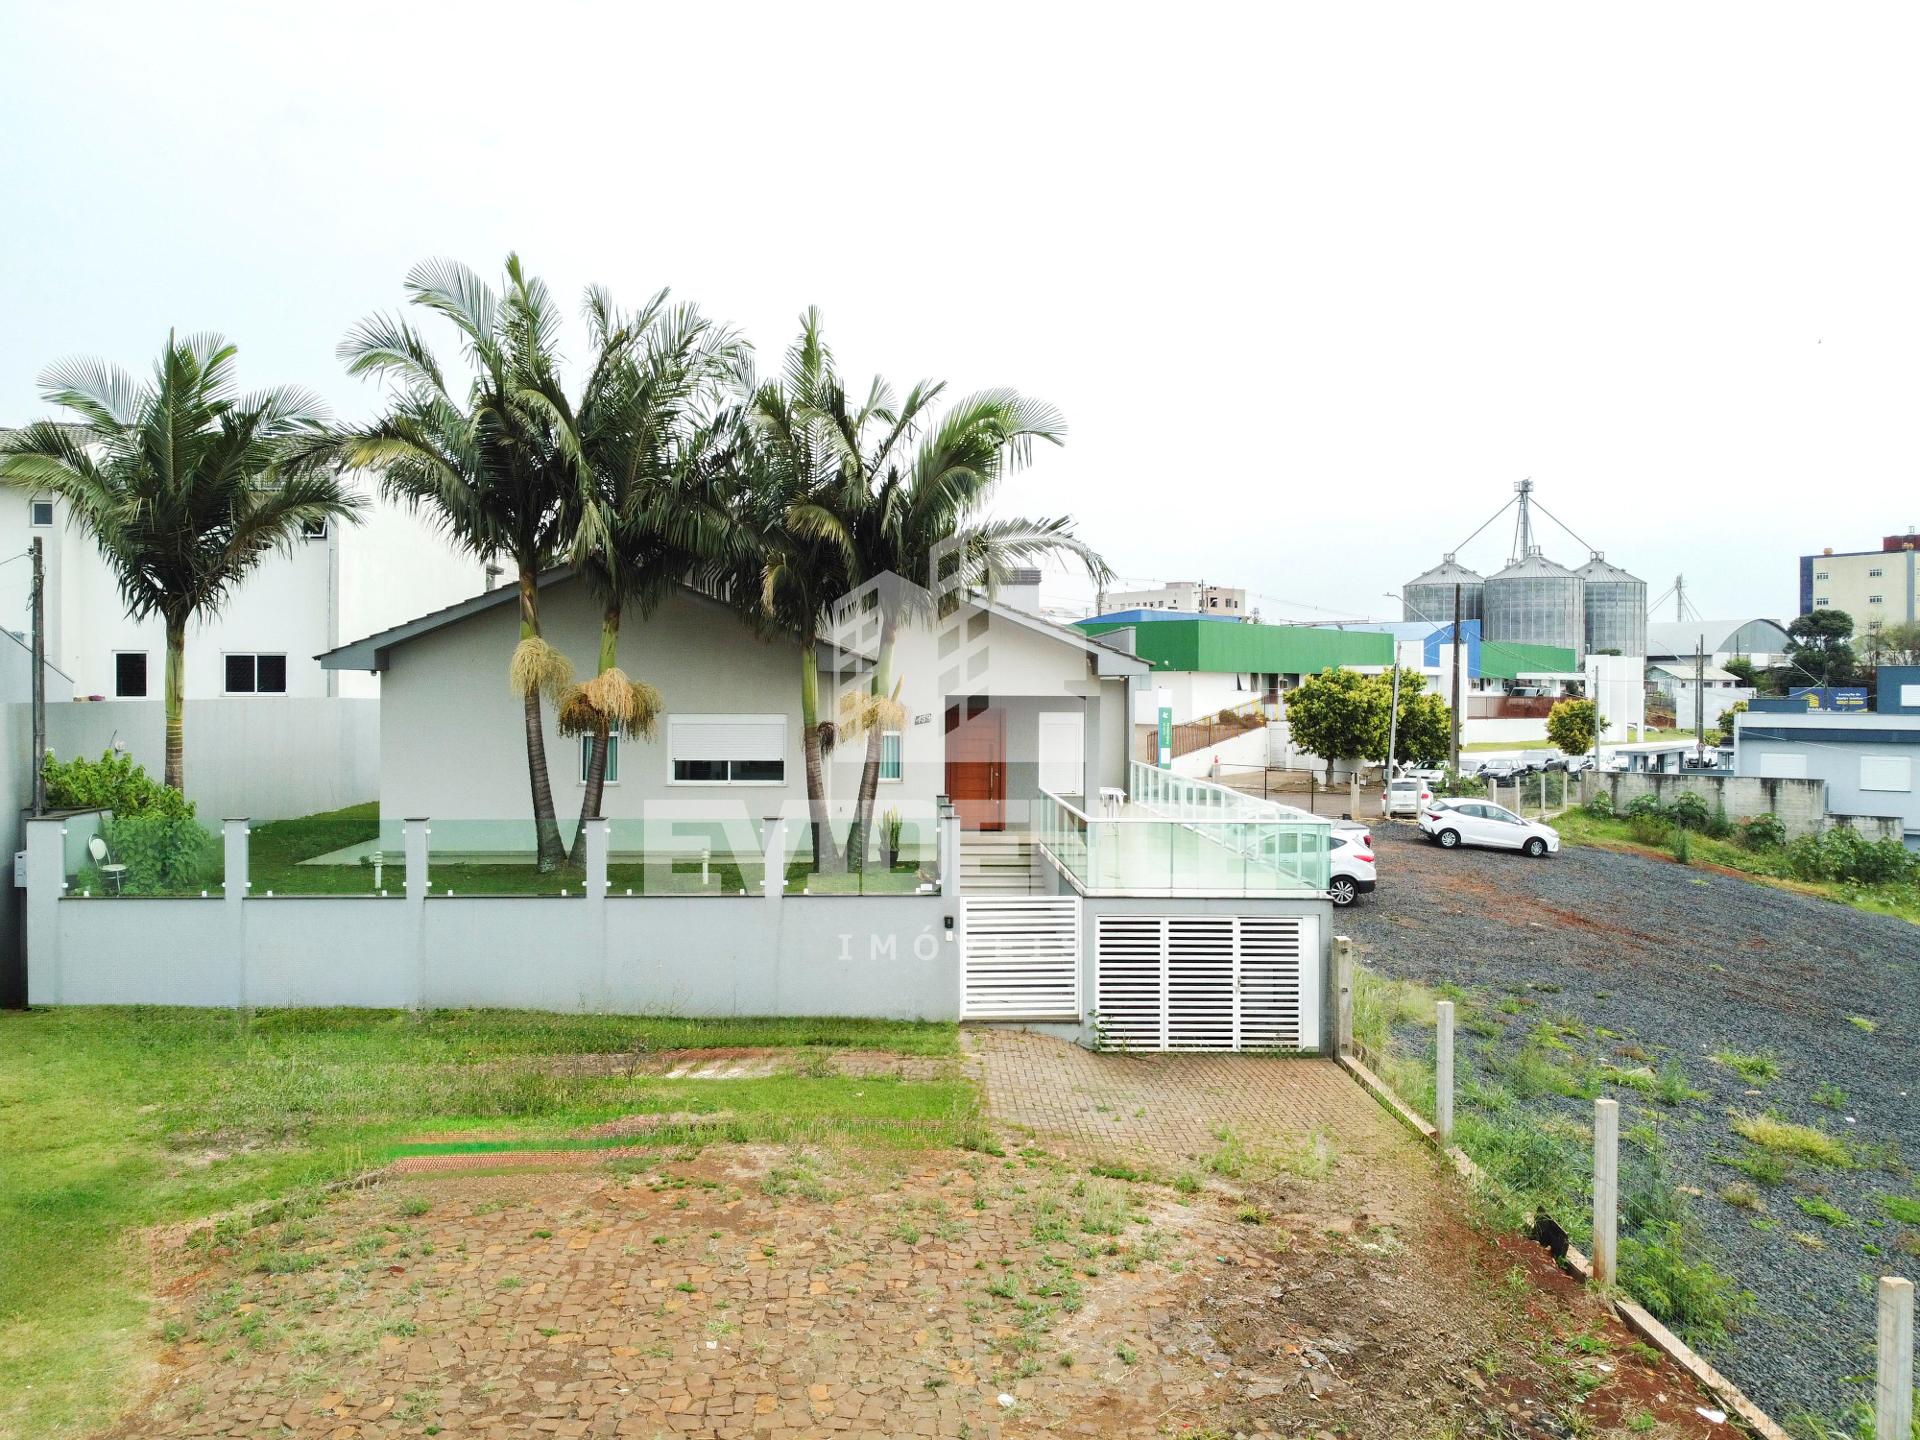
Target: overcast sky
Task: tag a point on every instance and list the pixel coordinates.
(1313, 284)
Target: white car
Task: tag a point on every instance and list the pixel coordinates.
(1451, 823)
(1352, 873)
(1405, 795)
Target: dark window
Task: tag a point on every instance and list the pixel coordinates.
(256, 674)
(700, 770)
(130, 675)
(314, 529)
(43, 512)
(758, 772)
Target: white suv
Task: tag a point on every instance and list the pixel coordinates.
(1352, 873)
(1405, 795)
(1480, 822)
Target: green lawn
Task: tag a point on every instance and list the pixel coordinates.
(113, 1120)
(277, 850)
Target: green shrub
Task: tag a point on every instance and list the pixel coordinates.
(1689, 810)
(1683, 846)
(1645, 806)
(162, 853)
(1720, 827)
(1763, 832)
(1600, 806)
(1665, 1270)
(1842, 853)
(1650, 829)
(113, 782)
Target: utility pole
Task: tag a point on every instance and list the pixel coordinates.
(1393, 715)
(1699, 699)
(39, 683)
(1459, 663)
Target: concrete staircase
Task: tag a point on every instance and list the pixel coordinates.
(996, 862)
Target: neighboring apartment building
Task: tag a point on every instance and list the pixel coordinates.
(1187, 596)
(336, 584)
(1873, 586)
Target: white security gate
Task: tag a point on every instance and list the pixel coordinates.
(1207, 982)
(1019, 957)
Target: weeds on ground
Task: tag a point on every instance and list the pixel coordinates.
(1757, 1069)
(1801, 1142)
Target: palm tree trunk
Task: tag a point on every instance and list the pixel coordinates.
(176, 702)
(595, 787)
(822, 824)
(870, 771)
(546, 829)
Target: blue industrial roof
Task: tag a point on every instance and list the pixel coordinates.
(1136, 617)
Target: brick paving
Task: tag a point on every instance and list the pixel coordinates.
(1170, 1107)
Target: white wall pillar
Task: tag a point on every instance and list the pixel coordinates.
(1343, 983)
(234, 832)
(46, 883)
(774, 856)
(599, 841)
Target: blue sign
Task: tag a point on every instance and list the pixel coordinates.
(1830, 697)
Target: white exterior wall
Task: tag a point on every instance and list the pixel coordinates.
(1193, 694)
(1616, 682)
(356, 580)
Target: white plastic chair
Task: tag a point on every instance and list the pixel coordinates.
(114, 875)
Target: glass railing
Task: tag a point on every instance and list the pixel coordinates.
(901, 855)
(106, 856)
(497, 857)
(1178, 836)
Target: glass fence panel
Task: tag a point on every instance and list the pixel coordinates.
(1206, 857)
(705, 847)
(108, 856)
(900, 855)
(340, 852)
(1067, 835)
(499, 857)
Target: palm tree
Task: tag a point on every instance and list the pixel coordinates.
(492, 462)
(909, 500)
(184, 484)
(790, 565)
(648, 442)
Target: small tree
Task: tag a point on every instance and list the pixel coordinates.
(1722, 734)
(1573, 725)
(1337, 715)
(1425, 721)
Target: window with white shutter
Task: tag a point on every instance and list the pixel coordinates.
(727, 749)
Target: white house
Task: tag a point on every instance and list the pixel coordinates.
(338, 582)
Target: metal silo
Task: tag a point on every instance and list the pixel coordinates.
(1536, 602)
(1616, 604)
(1430, 596)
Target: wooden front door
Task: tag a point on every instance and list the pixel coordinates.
(977, 765)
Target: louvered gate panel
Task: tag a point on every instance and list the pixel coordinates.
(1130, 983)
(1200, 982)
(1020, 957)
(1205, 982)
(1274, 955)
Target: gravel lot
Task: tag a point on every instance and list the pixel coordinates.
(1680, 963)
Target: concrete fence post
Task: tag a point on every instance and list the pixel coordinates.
(773, 879)
(1606, 1190)
(234, 832)
(1343, 982)
(416, 831)
(599, 842)
(46, 884)
(1353, 796)
(1443, 1072)
(1893, 1388)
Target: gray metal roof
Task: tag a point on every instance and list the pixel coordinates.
(1601, 569)
(1683, 637)
(1532, 566)
(1448, 572)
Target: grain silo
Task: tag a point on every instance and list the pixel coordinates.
(1616, 606)
(1430, 596)
(1536, 602)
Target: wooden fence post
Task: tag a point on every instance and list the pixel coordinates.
(1893, 1391)
(1606, 1190)
(1343, 979)
(1443, 1072)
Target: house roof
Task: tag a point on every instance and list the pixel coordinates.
(1681, 669)
(370, 653)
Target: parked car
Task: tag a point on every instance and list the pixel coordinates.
(1480, 822)
(1498, 769)
(1352, 868)
(1404, 795)
(1576, 764)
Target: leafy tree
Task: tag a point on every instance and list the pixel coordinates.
(489, 459)
(1337, 715)
(184, 484)
(1746, 672)
(1897, 644)
(1573, 725)
(1820, 647)
(113, 782)
(1722, 734)
(1425, 723)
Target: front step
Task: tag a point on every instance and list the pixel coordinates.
(996, 862)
